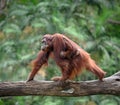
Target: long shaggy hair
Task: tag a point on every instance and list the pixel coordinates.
(80, 62)
(70, 66)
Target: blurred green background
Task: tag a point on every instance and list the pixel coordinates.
(93, 24)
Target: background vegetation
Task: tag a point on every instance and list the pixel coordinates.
(93, 24)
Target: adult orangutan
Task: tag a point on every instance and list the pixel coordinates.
(68, 56)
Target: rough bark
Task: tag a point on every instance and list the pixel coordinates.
(110, 85)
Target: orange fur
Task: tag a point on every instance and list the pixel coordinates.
(68, 56)
(42, 59)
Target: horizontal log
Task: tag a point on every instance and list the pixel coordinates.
(110, 85)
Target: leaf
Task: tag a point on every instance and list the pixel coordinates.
(12, 28)
(103, 49)
(18, 12)
(108, 102)
(1, 102)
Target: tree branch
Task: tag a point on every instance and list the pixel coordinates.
(114, 21)
(110, 85)
(2, 4)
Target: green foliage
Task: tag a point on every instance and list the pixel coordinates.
(93, 24)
